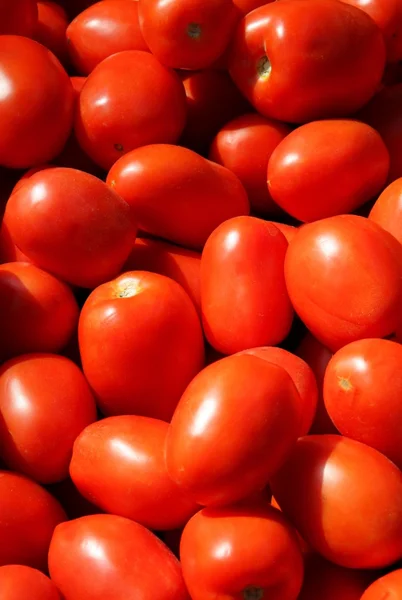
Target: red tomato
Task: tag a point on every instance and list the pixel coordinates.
(18, 18)
(45, 403)
(18, 582)
(311, 181)
(104, 557)
(71, 224)
(35, 119)
(38, 313)
(28, 516)
(244, 299)
(78, 83)
(289, 231)
(119, 464)
(387, 210)
(344, 278)
(345, 499)
(244, 146)
(103, 29)
(388, 586)
(303, 60)
(8, 250)
(51, 29)
(243, 551)
(177, 194)
(233, 428)
(28, 174)
(119, 110)
(141, 344)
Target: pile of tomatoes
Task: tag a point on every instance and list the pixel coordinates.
(201, 300)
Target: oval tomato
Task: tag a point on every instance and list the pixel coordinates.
(387, 210)
(18, 582)
(18, 18)
(51, 29)
(388, 586)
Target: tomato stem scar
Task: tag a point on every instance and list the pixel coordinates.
(264, 67)
(194, 31)
(119, 147)
(253, 593)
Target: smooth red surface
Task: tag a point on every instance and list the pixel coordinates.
(388, 586)
(51, 29)
(18, 18)
(18, 582)
(387, 210)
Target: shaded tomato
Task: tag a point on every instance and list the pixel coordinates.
(387, 210)
(8, 250)
(388, 586)
(51, 29)
(18, 18)
(310, 181)
(246, 6)
(303, 60)
(244, 299)
(18, 582)
(177, 194)
(289, 231)
(74, 504)
(93, 558)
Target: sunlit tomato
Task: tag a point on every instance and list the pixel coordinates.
(141, 344)
(233, 428)
(244, 299)
(38, 313)
(311, 181)
(28, 174)
(302, 60)
(18, 18)
(387, 210)
(344, 278)
(103, 29)
(119, 110)
(18, 582)
(74, 504)
(245, 551)
(28, 516)
(177, 194)
(244, 146)
(51, 29)
(388, 586)
(36, 120)
(71, 224)
(105, 557)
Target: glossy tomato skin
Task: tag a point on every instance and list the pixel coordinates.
(119, 110)
(34, 136)
(37, 435)
(244, 145)
(244, 299)
(51, 29)
(346, 257)
(18, 18)
(119, 464)
(310, 181)
(141, 344)
(82, 230)
(345, 499)
(217, 563)
(18, 582)
(387, 210)
(273, 64)
(257, 406)
(105, 557)
(38, 313)
(388, 586)
(103, 29)
(28, 517)
(177, 194)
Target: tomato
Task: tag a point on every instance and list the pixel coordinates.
(243, 293)
(101, 30)
(51, 29)
(350, 258)
(311, 181)
(244, 145)
(141, 344)
(247, 551)
(303, 60)
(18, 18)
(74, 504)
(289, 231)
(256, 405)
(246, 6)
(38, 313)
(119, 110)
(71, 224)
(388, 586)
(387, 210)
(18, 582)
(105, 557)
(177, 194)
(8, 250)
(28, 516)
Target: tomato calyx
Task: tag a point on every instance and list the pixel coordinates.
(119, 148)
(194, 31)
(264, 67)
(253, 593)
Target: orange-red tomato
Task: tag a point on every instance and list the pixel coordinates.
(177, 194)
(389, 586)
(246, 551)
(51, 29)
(387, 210)
(18, 18)
(141, 344)
(244, 299)
(289, 231)
(18, 582)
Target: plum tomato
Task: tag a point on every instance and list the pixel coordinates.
(18, 17)
(51, 29)
(18, 582)
(387, 210)
(387, 586)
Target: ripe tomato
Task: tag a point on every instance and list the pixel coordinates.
(311, 181)
(244, 299)
(388, 586)
(51, 29)
(37, 434)
(302, 60)
(141, 344)
(177, 194)
(289, 231)
(345, 499)
(71, 224)
(38, 313)
(104, 557)
(18, 582)
(233, 428)
(8, 250)
(28, 516)
(118, 109)
(18, 18)
(217, 563)
(387, 210)
(244, 145)
(101, 30)
(351, 258)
